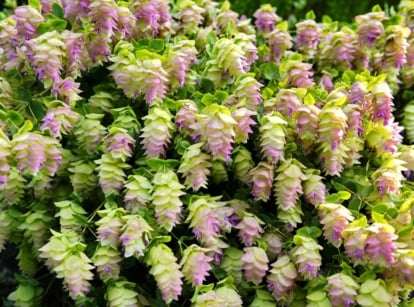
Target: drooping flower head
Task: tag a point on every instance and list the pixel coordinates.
(308, 35)
(136, 234)
(342, 289)
(189, 16)
(306, 256)
(195, 264)
(279, 41)
(281, 278)
(249, 228)
(103, 14)
(370, 28)
(138, 190)
(27, 20)
(255, 264)
(266, 18)
(261, 180)
(272, 136)
(314, 189)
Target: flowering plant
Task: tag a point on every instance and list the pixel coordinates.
(159, 152)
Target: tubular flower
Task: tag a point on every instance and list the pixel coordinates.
(255, 264)
(75, 53)
(332, 129)
(166, 271)
(242, 164)
(383, 139)
(99, 48)
(334, 218)
(279, 41)
(59, 120)
(35, 153)
(103, 14)
(402, 269)
(338, 49)
(217, 130)
(373, 292)
(82, 176)
(307, 125)
(370, 28)
(266, 18)
(8, 42)
(261, 181)
(380, 245)
(288, 183)
(107, 261)
(166, 199)
(75, 9)
(306, 256)
(281, 278)
(297, 73)
(195, 265)
(243, 117)
(119, 144)
(179, 60)
(121, 293)
(13, 190)
(136, 233)
(46, 54)
(111, 174)
(138, 190)
(157, 131)
(387, 181)
(195, 167)
(249, 229)
(314, 189)
(232, 263)
(274, 245)
(153, 18)
(27, 20)
(189, 15)
(246, 93)
(354, 242)
(186, 118)
(89, 133)
(342, 289)
(126, 22)
(308, 35)
(109, 226)
(286, 101)
(272, 136)
(395, 47)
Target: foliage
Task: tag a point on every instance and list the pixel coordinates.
(156, 153)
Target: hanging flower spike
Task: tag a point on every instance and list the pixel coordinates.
(229, 296)
(402, 269)
(89, 133)
(121, 293)
(186, 118)
(249, 228)
(99, 49)
(217, 126)
(286, 101)
(4, 228)
(334, 218)
(332, 130)
(266, 18)
(288, 183)
(189, 16)
(119, 144)
(382, 104)
(246, 93)
(10, 58)
(14, 189)
(126, 22)
(166, 199)
(242, 164)
(291, 217)
(179, 60)
(82, 176)
(306, 256)
(195, 167)
(74, 10)
(103, 14)
(314, 189)
(308, 35)
(383, 139)
(166, 272)
(195, 265)
(27, 20)
(67, 213)
(157, 131)
(247, 43)
(230, 57)
(5, 153)
(232, 263)
(226, 16)
(307, 125)
(370, 28)
(279, 41)
(111, 174)
(395, 47)
(387, 181)
(272, 136)
(255, 264)
(75, 53)
(261, 181)
(136, 234)
(153, 18)
(342, 289)
(46, 54)
(354, 236)
(298, 74)
(109, 226)
(107, 261)
(59, 120)
(281, 278)
(243, 117)
(274, 245)
(380, 245)
(138, 190)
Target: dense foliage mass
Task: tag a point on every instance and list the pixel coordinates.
(157, 153)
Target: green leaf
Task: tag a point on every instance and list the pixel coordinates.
(381, 208)
(310, 15)
(27, 126)
(355, 204)
(24, 94)
(344, 195)
(43, 28)
(158, 164)
(15, 117)
(270, 70)
(376, 8)
(378, 217)
(207, 85)
(220, 95)
(57, 10)
(58, 24)
(157, 45)
(35, 4)
(207, 99)
(392, 212)
(312, 232)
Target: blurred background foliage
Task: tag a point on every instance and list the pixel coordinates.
(295, 10)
